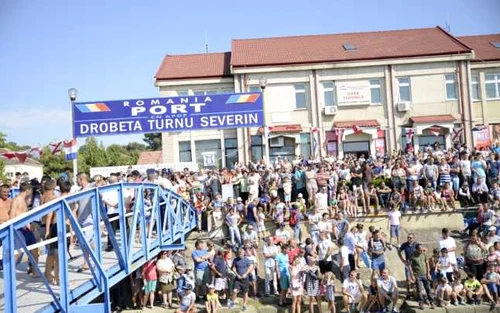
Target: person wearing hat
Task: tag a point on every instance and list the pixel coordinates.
(188, 299)
(492, 237)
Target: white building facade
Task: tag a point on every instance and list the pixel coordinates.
(333, 94)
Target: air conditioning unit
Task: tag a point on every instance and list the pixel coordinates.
(403, 106)
(330, 110)
(277, 142)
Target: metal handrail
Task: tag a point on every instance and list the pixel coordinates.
(168, 212)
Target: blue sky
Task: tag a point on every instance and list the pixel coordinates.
(110, 50)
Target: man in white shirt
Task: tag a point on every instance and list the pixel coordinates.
(321, 201)
(353, 292)
(270, 251)
(325, 226)
(343, 259)
(314, 220)
(325, 252)
(449, 243)
(282, 235)
(110, 199)
(387, 290)
(394, 224)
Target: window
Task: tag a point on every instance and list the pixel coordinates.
(475, 87)
(329, 94)
(227, 91)
(254, 89)
(208, 153)
(184, 151)
(202, 93)
(376, 95)
(300, 97)
(404, 89)
(451, 86)
(305, 146)
(492, 86)
(257, 152)
(231, 146)
(182, 93)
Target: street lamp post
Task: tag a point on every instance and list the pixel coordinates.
(265, 136)
(73, 93)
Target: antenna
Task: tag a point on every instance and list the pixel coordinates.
(206, 42)
(447, 26)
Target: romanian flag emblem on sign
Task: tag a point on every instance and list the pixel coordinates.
(93, 107)
(250, 98)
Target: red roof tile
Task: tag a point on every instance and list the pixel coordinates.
(150, 157)
(205, 65)
(429, 119)
(351, 124)
(329, 48)
(285, 128)
(482, 46)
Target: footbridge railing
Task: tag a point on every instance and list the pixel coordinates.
(147, 220)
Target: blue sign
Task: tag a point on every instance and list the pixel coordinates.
(167, 114)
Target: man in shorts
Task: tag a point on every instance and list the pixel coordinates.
(4, 209)
(394, 224)
(201, 268)
(19, 206)
(387, 287)
(353, 293)
(242, 267)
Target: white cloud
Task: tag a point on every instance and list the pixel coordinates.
(29, 118)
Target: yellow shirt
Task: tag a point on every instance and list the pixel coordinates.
(213, 297)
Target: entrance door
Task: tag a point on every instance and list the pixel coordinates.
(357, 148)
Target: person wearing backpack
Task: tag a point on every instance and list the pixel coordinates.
(294, 221)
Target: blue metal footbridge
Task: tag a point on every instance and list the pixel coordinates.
(150, 220)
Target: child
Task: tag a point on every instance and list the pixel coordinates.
(287, 191)
(395, 200)
(473, 289)
(329, 282)
(491, 281)
(444, 265)
(212, 304)
(180, 281)
(458, 292)
(429, 196)
(433, 269)
(273, 190)
(343, 200)
(443, 292)
(352, 205)
(301, 203)
(438, 199)
(262, 217)
(405, 197)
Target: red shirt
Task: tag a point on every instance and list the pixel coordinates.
(292, 254)
(149, 271)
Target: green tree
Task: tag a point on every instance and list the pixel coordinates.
(10, 145)
(91, 154)
(153, 141)
(54, 165)
(3, 175)
(118, 155)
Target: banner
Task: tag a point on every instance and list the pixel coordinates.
(185, 113)
(353, 93)
(208, 158)
(482, 138)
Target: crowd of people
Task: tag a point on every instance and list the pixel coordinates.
(263, 209)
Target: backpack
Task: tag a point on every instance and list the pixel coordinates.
(294, 218)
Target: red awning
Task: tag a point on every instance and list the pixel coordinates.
(292, 128)
(431, 119)
(351, 124)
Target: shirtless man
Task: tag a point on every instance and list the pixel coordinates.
(50, 232)
(4, 203)
(4, 209)
(18, 207)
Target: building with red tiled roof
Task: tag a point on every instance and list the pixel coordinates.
(150, 157)
(353, 93)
